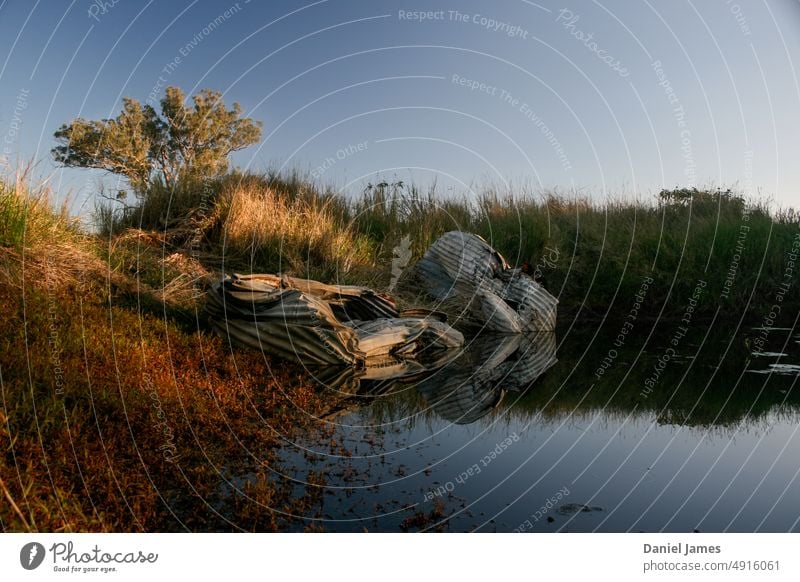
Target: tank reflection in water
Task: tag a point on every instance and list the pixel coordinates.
(504, 436)
(460, 386)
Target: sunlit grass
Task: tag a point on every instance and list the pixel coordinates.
(28, 218)
(592, 253)
(118, 410)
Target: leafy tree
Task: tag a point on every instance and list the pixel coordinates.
(183, 141)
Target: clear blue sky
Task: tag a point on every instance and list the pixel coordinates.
(612, 97)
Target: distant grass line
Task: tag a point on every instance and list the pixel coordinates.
(593, 254)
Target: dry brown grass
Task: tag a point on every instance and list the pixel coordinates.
(288, 234)
(117, 416)
(154, 267)
(137, 424)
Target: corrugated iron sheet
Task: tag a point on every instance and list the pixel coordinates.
(317, 324)
(462, 389)
(475, 284)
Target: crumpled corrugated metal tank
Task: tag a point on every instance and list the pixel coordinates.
(317, 324)
(475, 285)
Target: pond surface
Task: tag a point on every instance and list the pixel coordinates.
(575, 431)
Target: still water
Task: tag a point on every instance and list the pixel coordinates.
(565, 432)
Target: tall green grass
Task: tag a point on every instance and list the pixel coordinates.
(28, 217)
(593, 254)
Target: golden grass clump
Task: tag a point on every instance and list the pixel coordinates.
(289, 234)
(42, 237)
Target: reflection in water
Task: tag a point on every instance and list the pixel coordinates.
(783, 369)
(475, 383)
(460, 386)
(780, 366)
(711, 448)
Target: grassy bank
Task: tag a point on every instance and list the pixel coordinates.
(592, 255)
(117, 413)
(122, 412)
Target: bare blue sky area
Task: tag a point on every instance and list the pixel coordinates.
(604, 98)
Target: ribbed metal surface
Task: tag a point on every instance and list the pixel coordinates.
(468, 276)
(460, 389)
(492, 366)
(317, 324)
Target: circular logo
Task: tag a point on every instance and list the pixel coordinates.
(31, 555)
